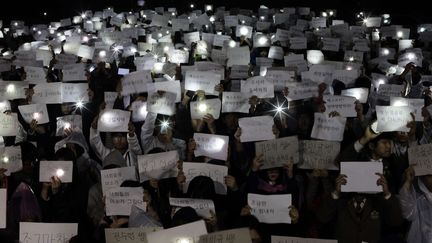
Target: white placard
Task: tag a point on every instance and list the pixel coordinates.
(235, 102)
(199, 109)
(10, 90)
(159, 20)
(227, 236)
(314, 56)
(353, 56)
(239, 72)
(361, 176)
(212, 146)
(315, 154)
(136, 82)
(330, 44)
(86, 52)
(158, 166)
(361, 94)
(216, 172)
(74, 72)
(328, 128)
(109, 98)
(219, 40)
(231, 20)
(287, 239)
(139, 111)
(36, 111)
(8, 124)
(112, 178)
(3, 203)
(393, 118)
(162, 103)
(178, 56)
(10, 159)
(129, 235)
(276, 52)
(144, 63)
(113, 121)
(119, 200)
(297, 61)
(201, 206)
(298, 43)
(73, 122)
(183, 233)
(419, 156)
(322, 73)
(238, 56)
(47, 232)
(169, 86)
(47, 93)
(270, 209)
(4, 106)
(180, 24)
(74, 92)
(318, 22)
(61, 169)
(280, 78)
(344, 105)
(278, 152)
(191, 37)
(346, 76)
(409, 56)
(35, 75)
(202, 80)
(298, 91)
(244, 30)
(415, 104)
(260, 86)
(256, 128)
(64, 59)
(282, 35)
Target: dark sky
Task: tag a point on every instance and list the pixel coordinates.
(32, 11)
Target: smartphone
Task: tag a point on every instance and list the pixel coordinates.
(123, 71)
(190, 93)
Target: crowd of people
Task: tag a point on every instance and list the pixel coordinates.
(372, 48)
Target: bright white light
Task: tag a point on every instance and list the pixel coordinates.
(5, 159)
(60, 172)
(209, 7)
(10, 88)
(83, 15)
(243, 22)
(349, 68)
(331, 13)
(202, 107)
(399, 34)
(133, 49)
(159, 35)
(155, 56)
(422, 29)
(324, 14)
(212, 19)
(232, 44)
(39, 32)
(365, 21)
(184, 240)
(262, 40)
(385, 52)
(102, 54)
(34, 28)
(411, 56)
(117, 48)
(244, 30)
(381, 81)
(173, 14)
(165, 124)
(36, 115)
(386, 16)
(351, 59)
(192, 6)
(85, 39)
(67, 125)
(45, 13)
(279, 109)
(16, 24)
(399, 103)
(386, 21)
(166, 49)
(144, 16)
(79, 104)
(143, 111)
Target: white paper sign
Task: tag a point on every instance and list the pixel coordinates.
(109, 98)
(298, 43)
(315, 154)
(314, 56)
(74, 72)
(278, 152)
(35, 75)
(361, 176)
(276, 52)
(260, 86)
(47, 93)
(112, 178)
(270, 209)
(212, 146)
(361, 94)
(227, 236)
(202, 80)
(8, 124)
(129, 235)
(191, 37)
(158, 166)
(10, 90)
(328, 128)
(216, 172)
(169, 86)
(3, 203)
(36, 111)
(162, 104)
(238, 56)
(415, 104)
(322, 73)
(184, 233)
(199, 109)
(119, 200)
(180, 24)
(136, 82)
(419, 156)
(297, 61)
(344, 105)
(144, 63)
(75, 92)
(331, 44)
(235, 102)
(113, 121)
(393, 118)
(139, 111)
(287, 239)
(390, 90)
(346, 76)
(61, 169)
(298, 91)
(280, 78)
(47, 232)
(256, 128)
(73, 122)
(10, 159)
(201, 206)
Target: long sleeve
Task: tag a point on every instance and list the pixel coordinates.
(134, 144)
(147, 130)
(96, 143)
(407, 199)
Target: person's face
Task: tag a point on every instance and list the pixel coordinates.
(382, 148)
(402, 137)
(273, 175)
(120, 142)
(66, 108)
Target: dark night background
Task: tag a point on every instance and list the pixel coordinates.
(403, 12)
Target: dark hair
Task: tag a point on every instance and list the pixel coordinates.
(185, 215)
(201, 187)
(28, 152)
